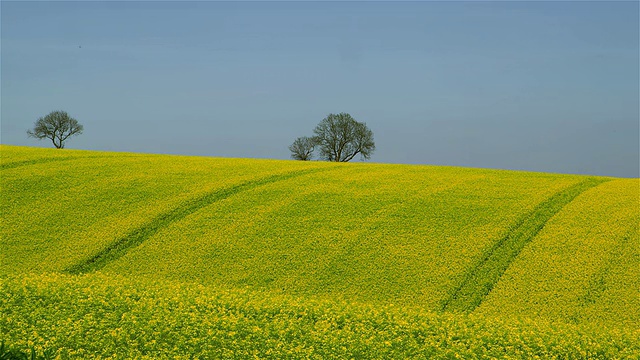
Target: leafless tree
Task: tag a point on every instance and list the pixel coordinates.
(57, 126)
(340, 137)
(302, 148)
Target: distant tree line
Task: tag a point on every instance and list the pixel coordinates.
(338, 137)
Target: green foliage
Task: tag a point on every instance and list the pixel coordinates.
(10, 353)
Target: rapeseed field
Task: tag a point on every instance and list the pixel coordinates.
(122, 255)
(111, 317)
(583, 267)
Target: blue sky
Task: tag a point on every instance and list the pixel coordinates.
(542, 86)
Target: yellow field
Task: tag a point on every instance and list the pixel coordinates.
(583, 267)
(500, 249)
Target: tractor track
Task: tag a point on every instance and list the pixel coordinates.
(120, 247)
(16, 164)
(481, 279)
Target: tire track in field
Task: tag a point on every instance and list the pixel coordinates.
(15, 164)
(481, 279)
(136, 237)
(599, 281)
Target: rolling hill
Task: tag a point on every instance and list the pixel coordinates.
(468, 253)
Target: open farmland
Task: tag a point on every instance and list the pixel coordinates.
(161, 256)
(585, 263)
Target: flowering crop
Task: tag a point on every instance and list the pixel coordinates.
(58, 213)
(583, 267)
(149, 235)
(108, 317)
(482, 277)
(363, 232)
(371, 233)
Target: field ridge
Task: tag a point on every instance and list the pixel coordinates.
(481, 279)
(120, 247)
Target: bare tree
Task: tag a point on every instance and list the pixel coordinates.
(57, 126)
(302, 148)
(340, 137)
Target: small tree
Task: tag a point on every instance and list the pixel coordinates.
(302, 148)
(57, 126)
(340, 138)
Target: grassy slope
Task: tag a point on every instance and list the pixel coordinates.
(378, 234)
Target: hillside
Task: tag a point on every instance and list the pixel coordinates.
(492, 243)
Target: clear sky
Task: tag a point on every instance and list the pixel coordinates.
(542, 86)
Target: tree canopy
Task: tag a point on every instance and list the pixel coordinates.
(58, 126)
(302, 148)
(339, 137)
